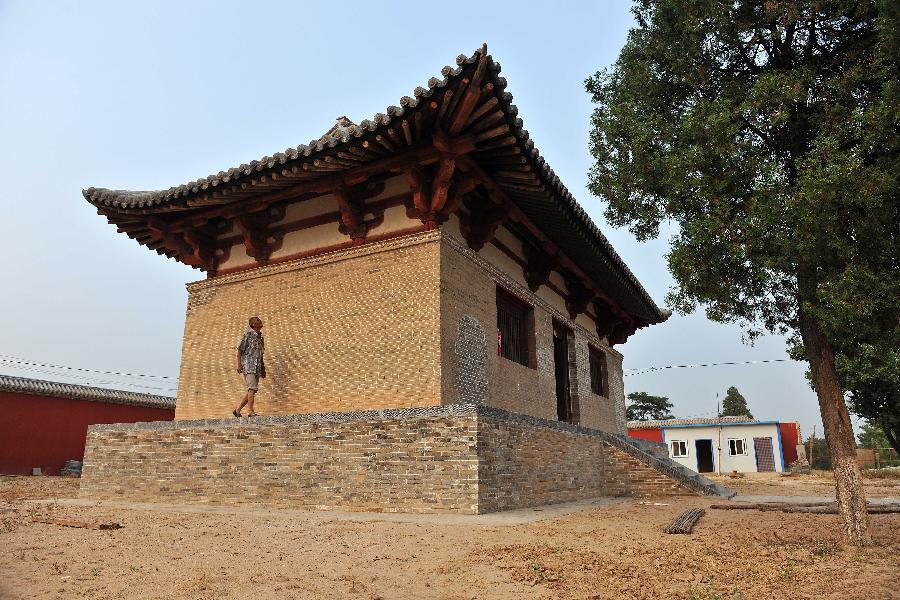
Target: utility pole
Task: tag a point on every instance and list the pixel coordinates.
(719, 444)
(812, 440)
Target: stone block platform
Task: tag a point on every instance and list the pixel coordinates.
(460, 458)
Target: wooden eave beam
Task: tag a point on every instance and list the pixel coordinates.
(423, 154)
(440, 187)
(467, 164)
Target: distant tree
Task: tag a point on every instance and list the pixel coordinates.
(872, 437)
(767, 133)
(821, 457)
(734, 404)
(871, 375)
(645, 407)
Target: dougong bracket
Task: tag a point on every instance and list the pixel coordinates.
(480, 225)
(538, 266)
(260, 239)
(578, 296)
(195, 247)
(352, 206)
(433, 198)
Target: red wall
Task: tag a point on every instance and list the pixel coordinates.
(790, 437)
(45, 432)
(654, 435)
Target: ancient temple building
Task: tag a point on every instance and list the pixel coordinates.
(440, 321)
(428, 256)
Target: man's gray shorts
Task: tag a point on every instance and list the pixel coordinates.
(251, 380)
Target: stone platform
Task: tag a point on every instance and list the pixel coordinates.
(459, 458)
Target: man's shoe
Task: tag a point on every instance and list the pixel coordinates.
(236, 413)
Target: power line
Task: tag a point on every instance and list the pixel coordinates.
(87, 380)
(83, 378)
(746, 362)
(21, 361)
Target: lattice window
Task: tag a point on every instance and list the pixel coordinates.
(597, 360)
(512, 328)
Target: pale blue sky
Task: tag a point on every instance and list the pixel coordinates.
(146, 95)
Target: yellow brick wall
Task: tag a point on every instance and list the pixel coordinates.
(385, 325)
(351, 330)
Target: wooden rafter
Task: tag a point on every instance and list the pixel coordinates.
(470, 97)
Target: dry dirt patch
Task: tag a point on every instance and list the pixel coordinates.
(817, 483)
(610, 552)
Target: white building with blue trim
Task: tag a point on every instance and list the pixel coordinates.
(717, 445)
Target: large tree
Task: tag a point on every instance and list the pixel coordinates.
(767, 132)
(643, 407)
(734, 404)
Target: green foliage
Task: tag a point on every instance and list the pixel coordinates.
(768, 133)
(871, 375)
(872, 437)
(821, 456)
(734, 404)
(644, 407)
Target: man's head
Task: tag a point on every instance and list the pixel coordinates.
(255, 324)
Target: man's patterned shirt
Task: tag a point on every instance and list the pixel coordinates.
(251, 350)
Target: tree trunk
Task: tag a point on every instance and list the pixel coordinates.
(849, 491)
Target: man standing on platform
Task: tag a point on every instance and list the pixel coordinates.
(250, 364)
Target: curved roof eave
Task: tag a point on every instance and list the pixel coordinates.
(127, 202)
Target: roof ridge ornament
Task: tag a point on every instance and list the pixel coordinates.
(341, 128)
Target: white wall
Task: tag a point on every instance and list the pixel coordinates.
(723, 462)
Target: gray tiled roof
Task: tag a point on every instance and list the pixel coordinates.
(553, 206)
(38, 387)
(694, 421)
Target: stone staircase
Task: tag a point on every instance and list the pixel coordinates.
(656, 456)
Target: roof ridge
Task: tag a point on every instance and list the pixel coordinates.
(654, 423)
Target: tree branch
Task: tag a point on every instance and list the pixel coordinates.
(762, 136)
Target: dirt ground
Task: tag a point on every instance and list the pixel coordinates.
(615, 551)
(819, 483)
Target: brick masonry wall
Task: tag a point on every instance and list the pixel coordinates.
(616, 389)
(351, 330)
(525, 461)
(456, 458)
(468, 304)
(521, 465)
(412, 462)
(641, 480)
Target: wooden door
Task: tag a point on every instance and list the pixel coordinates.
(765, 456)
(561, 364)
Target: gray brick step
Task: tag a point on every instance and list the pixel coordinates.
(649, 453)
